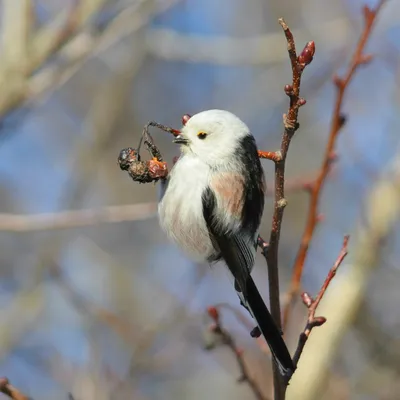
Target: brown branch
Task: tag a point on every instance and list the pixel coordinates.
(228, 340)
(11, 391)
(274, 156)
(50, 39)
(246, 323)
(312, 304)
(68, 29)
(337, 123)
(298, 64)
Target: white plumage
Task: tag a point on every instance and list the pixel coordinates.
(181, 209)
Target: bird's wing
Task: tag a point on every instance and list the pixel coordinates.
(234, 248)
(238, 251)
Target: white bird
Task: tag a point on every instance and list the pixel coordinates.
(212, 207)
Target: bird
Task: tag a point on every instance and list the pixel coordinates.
(212, 204)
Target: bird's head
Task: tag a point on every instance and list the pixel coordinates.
(213, 135)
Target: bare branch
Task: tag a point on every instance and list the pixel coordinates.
(312, 304)
(298, 64)
(76, 218)
(49, 39)
(341, 303)
(11, 391)
(228, 340)
(338, 122)
(16, 28)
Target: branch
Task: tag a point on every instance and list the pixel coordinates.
(76, 218)
(11, 391)
(343, 300)
(15, 32)
(274, 156)
(228, 340)
(52, 36)
(298, 64)
(337, 123)
(312, 304)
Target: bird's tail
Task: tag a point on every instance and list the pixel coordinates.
(269, 329)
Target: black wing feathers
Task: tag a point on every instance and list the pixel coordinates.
(237, 254)
(237, 250)
(234, 248)
(254, 190)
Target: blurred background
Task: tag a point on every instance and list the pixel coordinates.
(94, 301)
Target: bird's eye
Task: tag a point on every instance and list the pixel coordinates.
(202, 135)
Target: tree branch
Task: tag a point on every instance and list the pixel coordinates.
(228, 340)
(76, 218)
(15, 34)
(312, 304)
(52, 36)
(338, 121)
(298, 64)
(11, 391)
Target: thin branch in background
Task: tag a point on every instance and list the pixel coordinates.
(296, 184)
(90, 309)
(22, 57)
(48, 40)
(312, 304)
(298, 64)
(76, 218)
(69, 219)
(338, 121)
(228, 340)
(12, 392)
(246, 322)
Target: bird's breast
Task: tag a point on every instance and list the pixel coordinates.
(181, 209)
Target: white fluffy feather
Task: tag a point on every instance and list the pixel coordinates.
(181, 209)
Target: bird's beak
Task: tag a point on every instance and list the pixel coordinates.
(180, 140)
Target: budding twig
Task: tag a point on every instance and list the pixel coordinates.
(298, 63)
(337, 123)
(312, 304)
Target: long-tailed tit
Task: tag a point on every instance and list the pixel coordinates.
(213, 204)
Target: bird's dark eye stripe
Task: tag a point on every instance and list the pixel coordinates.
(202, 135)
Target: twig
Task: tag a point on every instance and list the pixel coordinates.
(49, 39)
(337, 123)
(228, 340)
(298, 64)
(11, 391)
(342, 301)
(16, 26)
(247, 323)
(274, 156)
(312, 304)
(76, 218)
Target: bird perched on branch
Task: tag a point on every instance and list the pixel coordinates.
(212, 207)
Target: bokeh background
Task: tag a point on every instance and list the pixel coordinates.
(97, 303)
